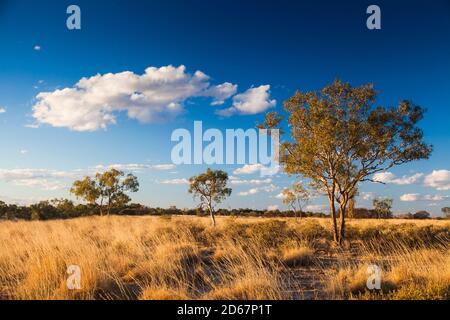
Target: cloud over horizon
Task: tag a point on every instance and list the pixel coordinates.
(158, 94)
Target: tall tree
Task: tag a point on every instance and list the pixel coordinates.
(339, 139)
(110, 187)
(296, 197)
(211, 189)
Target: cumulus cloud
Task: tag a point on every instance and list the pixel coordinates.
(411, 197)
(221, 92)
(249, 169)
(252, 101)
(94, 102)
(438, 179)
(2, 109)
(272, 207)
(388, 177)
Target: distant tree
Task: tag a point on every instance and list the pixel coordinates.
(339, 139)
(65, 207)
(211, 189)
(109, 187)
(446, 212)
(296, 197)
(422, 215)
(407, 215)
(383, 207)
(43, 210)
(3, 210)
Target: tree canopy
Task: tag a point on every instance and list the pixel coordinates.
(110, 187)
(338, 138)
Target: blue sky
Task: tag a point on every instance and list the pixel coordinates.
(268, 49)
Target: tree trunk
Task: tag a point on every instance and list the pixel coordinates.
(109, 205)
(101, 207)
(342, 209)
(333, 217)
(213, 219)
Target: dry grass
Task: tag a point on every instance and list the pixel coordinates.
(184, 258)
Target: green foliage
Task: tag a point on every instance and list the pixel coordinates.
(339, 139)
(383, 207)
(109, 187)
(210, 188)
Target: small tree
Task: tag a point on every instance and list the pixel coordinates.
(211, 189)
(340, 139)
(110, 187)
(383, 207)
(422, 215)
(446, 212)
(296, 197)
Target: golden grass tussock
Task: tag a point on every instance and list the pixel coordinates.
(160, 258)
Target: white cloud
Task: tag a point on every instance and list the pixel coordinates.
(411, 197)
(269, 188)
(252, 101)
(37, 48)
(2, 109)
(367, 196)
(249, 192)
(163, 167)
(94, 103)
(249, 169)
(135, 167)
(53, 179)
(221, 92)
(281, 195)
(123, 167)
(388, 177)
(36, 178)
(23, 151)
(250, 182)
(438, 179)
(43, 184)
(175, 181)
(316, 208)
(272, 208)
